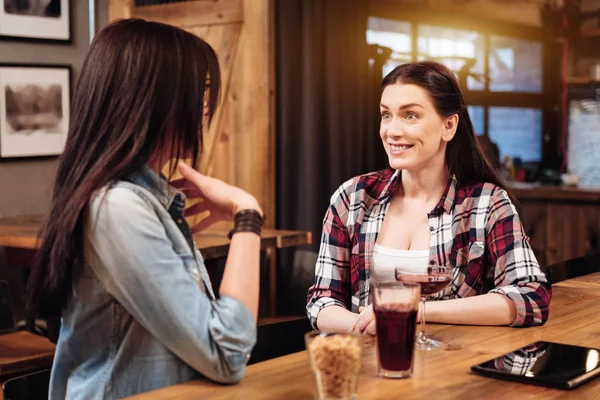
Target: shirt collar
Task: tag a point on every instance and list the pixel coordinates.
(446, 201)
(390, 185)
(449, 197)
(157, 185)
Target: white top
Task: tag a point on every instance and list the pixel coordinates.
(386, 259)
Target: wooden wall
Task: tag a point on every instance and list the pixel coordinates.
(240, 146)
(562, 223)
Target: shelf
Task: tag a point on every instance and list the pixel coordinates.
(590, 32)
(580, 80)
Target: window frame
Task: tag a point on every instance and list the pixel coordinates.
(547, 100)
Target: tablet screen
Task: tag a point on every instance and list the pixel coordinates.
(546, 363)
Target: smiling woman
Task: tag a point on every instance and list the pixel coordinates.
(441, 204)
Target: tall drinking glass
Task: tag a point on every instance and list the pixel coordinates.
(395, 305)
(432, 281)
(335, 360)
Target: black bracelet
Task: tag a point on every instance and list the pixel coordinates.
(247, 221)
(249, 214)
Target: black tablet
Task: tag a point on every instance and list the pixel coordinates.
(555, 365)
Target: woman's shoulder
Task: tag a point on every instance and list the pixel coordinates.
(369, 185)
(121, 198)
(481, 190)
(483, 196)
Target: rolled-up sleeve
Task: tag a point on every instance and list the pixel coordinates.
(130, 253)
(332, 272)
(517, 273)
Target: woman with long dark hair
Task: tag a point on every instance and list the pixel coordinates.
(441, 203)
(117, 259)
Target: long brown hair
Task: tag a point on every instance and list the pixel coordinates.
(141, 90)
(464, 156)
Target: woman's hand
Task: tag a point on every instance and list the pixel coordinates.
(365, 322)
(222, 200)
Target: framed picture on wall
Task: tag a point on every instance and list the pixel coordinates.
(34, 109)
(36, 19)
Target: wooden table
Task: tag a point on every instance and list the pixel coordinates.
(21, 233)
(443, 374)
(22, 352)
(19, 236)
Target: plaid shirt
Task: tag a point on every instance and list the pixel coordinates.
(475, 229)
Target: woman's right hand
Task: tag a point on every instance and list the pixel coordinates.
(364, 324)
(221, 199)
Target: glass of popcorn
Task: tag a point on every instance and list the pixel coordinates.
(335, 361)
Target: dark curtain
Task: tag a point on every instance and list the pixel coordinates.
(327, 128)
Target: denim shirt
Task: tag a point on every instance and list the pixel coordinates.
(143, 314)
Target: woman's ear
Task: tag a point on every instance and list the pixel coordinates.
(450, 126)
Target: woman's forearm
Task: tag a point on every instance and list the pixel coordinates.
(336, 319)
(241, 278)
(487, 309)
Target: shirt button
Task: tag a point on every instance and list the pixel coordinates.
(431, 262)
(431, 228)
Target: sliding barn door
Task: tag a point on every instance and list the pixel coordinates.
(239, 147)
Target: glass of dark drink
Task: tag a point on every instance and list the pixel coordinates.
(395, 305)
(433, 280)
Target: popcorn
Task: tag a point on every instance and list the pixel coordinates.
(335, 360)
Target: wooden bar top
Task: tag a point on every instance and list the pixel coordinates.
(443, 374)
(21, 232)
(535, 191)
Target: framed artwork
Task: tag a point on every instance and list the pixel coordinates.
(34, 109)
(36, 19)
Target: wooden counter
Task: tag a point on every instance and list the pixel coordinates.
(443, 374)
(534, 191)
(562, 222)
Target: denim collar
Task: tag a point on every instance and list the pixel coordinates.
(157, 185)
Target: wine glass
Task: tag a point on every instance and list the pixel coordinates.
(432, 280)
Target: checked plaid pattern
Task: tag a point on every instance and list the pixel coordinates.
(475, 229)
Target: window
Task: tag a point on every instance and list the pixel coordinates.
(515, 65)
(461, 51)
(517, 132)
(477, 114)
(395, 35)
(500, 75)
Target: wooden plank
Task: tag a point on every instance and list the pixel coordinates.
(252, 124)
(272, 276)
(437, 374)
(119, 9)
(193, 13)
(22, 352)
(200, 31)
(534, 218)
(226, 41)
(554, 226)
(240, 144)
